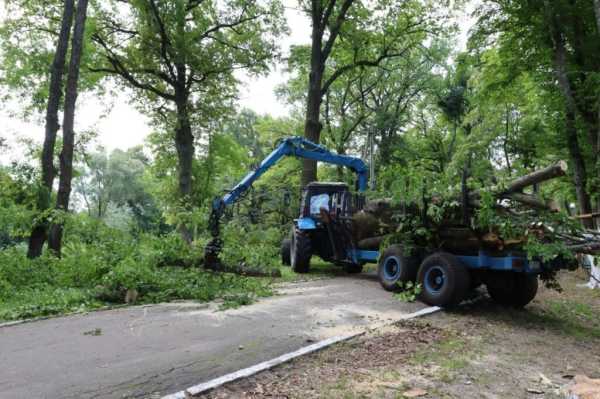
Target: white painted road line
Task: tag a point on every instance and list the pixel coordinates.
(422, 312)
(247, 372)
(269, 364)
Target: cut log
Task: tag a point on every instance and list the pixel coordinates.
(372, 243)
(589, 248)
(588, 216)
(525, 199)
(533, 201)
(365, 225)
(539, 176)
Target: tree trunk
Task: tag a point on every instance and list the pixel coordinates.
(38, 234)
(579, 172)
(597, 13)
(340, 169)
(66, 155)
(184, 142)
(312, 126)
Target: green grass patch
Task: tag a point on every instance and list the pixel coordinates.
(106, 267)
(571, 317)
(318, 269)
(451, 355)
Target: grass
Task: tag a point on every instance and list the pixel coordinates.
(450, 355)
(318, 269)
(47, 301)
(571, 317)
(48, 292)
(155, 285)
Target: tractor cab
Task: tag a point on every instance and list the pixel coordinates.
(323, 228)
(333, 199)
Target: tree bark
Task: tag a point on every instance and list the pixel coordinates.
(38, 234)
(579, 172)
(184, 143)
(66, 155)
(536, 177)
(312, 126)
(597, 14)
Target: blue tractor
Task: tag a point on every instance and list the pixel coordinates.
(324, 228)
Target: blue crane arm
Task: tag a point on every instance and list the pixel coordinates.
(292, 146)
(301, 148)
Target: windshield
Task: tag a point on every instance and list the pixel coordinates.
(318, 202)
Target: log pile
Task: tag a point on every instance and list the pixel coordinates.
(381, 220)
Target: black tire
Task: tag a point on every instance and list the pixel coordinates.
(286, 248)
(444, 280)
(301, 251)
(353, 268)
(512, 289)
(395, 269)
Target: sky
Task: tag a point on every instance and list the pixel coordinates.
(124, 127)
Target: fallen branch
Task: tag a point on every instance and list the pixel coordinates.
(557, 170)
(591, 248)
(587, 216)
(539, 176)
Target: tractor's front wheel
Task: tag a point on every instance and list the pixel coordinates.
(301, 251)
(353, 268)
(286, 249)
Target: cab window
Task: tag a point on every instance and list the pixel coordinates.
(318, 202)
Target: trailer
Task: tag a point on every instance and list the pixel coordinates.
(446, 278)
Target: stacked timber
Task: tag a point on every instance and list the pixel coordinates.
(383, 220)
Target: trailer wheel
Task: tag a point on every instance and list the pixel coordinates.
(444, 280)
(286, 248)
(512, 289)
(301, 251)
(395, 269)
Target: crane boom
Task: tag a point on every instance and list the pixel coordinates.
(298, 147)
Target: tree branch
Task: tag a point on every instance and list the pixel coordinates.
(368, 63)
(335, 30)
(164, 39)
(327, 14)
(118, 68)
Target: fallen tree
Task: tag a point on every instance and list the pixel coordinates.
(501, 218)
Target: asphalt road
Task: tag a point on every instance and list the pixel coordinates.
(146, 352)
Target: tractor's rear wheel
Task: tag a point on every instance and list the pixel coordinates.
(301, 251)
(512, 289)
(286, 248)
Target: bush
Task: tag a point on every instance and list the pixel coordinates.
(100, 264)
(171, 250)
(252, 246)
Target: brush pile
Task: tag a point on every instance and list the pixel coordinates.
(503, 218)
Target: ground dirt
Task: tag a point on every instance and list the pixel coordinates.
(479, 350)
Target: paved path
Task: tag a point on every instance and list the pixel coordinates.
(149, 351)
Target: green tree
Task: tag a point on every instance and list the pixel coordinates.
(364, 35)
(119, 182)
(181, 57)
(35, 43)
(563, 37)
(68, 145)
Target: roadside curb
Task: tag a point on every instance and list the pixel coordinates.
(269, 364)
(78, 313)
